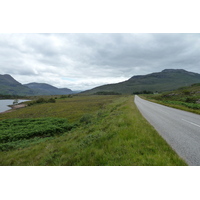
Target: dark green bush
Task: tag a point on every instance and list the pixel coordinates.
(66, 96)
(190, 100)
(107, 93)
(41, 100)
(51, 100)
(186, 92)
(143, 92)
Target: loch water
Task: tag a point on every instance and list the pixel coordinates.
(4, 104)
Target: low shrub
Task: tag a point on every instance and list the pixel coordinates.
(107, 93)
(190, 100)
(186, 92)
(41, 100)
(86, 119)
(51, 100)
(66, 96)
(18, 130)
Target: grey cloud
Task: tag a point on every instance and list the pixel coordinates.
(88, 56)
(159, 50)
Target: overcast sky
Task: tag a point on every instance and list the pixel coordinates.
(83, 61)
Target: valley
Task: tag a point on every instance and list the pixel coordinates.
(99, 127)
(166, 80)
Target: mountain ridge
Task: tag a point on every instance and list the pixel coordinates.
(166, 80)
(47, 89)
(10, 86)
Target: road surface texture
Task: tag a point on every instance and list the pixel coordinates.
(179, 128)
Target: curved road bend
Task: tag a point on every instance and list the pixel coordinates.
(179, 128)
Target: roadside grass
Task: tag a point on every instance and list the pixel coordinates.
(111, 132)
(190, 107)
(185, 98)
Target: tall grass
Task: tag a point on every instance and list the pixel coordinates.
(70, 108)
(115, 134)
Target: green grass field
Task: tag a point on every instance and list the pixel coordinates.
(70, 108)
(93, 131)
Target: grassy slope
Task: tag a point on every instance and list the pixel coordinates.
(162, 81)
(184, 98)
(114, 133)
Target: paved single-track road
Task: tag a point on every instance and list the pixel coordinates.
(179, 128)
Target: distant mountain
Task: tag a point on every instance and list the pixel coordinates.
(166, 80)
(9, 86)
(46, 89)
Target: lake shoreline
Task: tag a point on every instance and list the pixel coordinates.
(14, 107)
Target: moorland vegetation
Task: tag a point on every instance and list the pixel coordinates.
(185, 98)
(96, 130)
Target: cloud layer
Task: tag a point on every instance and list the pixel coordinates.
(83, 61)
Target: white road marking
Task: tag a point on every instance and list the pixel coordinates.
(191, 123)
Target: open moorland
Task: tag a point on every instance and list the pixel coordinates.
(97, 130)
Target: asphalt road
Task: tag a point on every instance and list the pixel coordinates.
(179, 128)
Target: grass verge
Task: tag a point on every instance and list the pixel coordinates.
(185, 98)
(189, 107)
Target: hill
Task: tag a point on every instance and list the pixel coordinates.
(166, 80)
(9, 86)
(46, 89)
